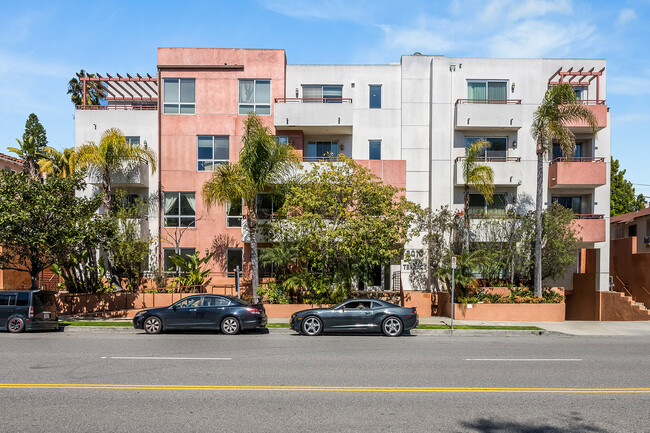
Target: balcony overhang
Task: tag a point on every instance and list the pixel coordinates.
(599, 110)
(135, 176)
(498, 115)
(317, 117)
(508, 171)
(577, 173)
(591, 228)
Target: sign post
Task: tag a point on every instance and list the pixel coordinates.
(237, 281)
(453, 284)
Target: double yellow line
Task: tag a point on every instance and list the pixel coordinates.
(289, 388)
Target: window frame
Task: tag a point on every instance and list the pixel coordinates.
(487, 82)
(239, 217)
(370, 99)
(254, 103)
(333, 145)
(212, 161)
(486, 208)
(178, 102)
(485, 151)
(130, 139)
(241, 255)
(182, 251)
(179, 216)
(323, 98)
(370, 143)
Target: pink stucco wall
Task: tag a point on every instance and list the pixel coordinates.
(591, 230)
(577, 173)
(600, 112)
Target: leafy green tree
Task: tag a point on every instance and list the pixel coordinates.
(113, 154)
(75, 90)
(192, 273)
(57, 163)
(478, 176)
(467, 262)
(622, 193)
(40, 222)
(264, 165)
(30, 153)
(551, 121)
(33, 128)
(560, 241)
(344, 223)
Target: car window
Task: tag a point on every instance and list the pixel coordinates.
(7, 300)
(190, 302)
(376, 305)
(44, 302)
(22, 300)
(215, 301)
(358, 305)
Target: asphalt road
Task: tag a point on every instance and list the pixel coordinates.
(116, 382)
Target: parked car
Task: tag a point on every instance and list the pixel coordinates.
(225, 313)
(356, 315)
(28, 310)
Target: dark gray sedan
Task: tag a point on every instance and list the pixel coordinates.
(356, 315)
(215, 312)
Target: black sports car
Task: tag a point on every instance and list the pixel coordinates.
(225, 313)
(356, 315)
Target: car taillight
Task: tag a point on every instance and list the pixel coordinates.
(253, 310)
(414, 311)
(31, 311)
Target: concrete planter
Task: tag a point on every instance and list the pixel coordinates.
(503, 312)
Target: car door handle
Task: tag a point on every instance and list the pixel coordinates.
(368, 312)
(192, 309)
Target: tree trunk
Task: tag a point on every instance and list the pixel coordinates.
(466, 217)
(33, 274)
(106, 188)
(252, 233)
(538, 223)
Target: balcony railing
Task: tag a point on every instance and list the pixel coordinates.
(578, 159)
(489, 101)
(591, 102)
(314, 100)
(119, 107)
(493, 158)
(319, 158)
(589, 216)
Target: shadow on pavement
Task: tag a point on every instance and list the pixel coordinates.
(485, 425)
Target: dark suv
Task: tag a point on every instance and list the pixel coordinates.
(28, 310)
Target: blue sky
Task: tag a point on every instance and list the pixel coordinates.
(42, 45)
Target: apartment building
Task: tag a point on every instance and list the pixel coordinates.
(408, 122)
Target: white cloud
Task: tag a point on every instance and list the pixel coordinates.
(639, 118)
(23, 64)
(341, 10)
(626, 16)
(638, 85)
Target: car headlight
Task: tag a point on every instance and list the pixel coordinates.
(140, 313)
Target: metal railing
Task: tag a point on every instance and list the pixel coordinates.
(489, 101)
(591, 102)
(578, 159)
(314, 100)
(588, 216)
(136, 107)
(319, 158)
(493, 158)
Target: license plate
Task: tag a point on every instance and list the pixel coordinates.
(46, 315)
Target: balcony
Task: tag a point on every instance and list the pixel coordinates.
(590, 227)
(390, 171)
(314, 116)
(599, 108)
(498, 114)
(584, 172)
(507, 170)
(136, 176)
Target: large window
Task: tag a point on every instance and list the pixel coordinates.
(180, 209)
(322, 149)
(264, 270)
(375, 96)
(478, 206)
(234, 258)
(482, 91)
(179, 96)
(266, 205)
(573, 203)
(497, 149)
(234, 213)
(168, 265)
(375, 149)
(322, 93)
(557, 151)
(212, 150)
(255, 96)
(133, 140)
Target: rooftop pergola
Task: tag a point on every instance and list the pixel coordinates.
(584, 78)
(122, 89)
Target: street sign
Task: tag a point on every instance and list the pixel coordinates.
(453, 263)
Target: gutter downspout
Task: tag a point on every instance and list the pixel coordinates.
(160, 193)
(430, 201)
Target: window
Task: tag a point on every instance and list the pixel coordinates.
(22, 300)
(497, 149)
(282, 139)
(573, 203)
(322, 150)
(168, 265)
(326, 94)
(191, 302)
(234, 258)
(212, 151)
(128, 202)
(375, 149)
(178, 96)
(631, 230)
(557, 151)
(133, 141)
(581, 92)
(478, 206)
(180, 209)
(482, 91)
(234, 213)
(215, 301)
(375, 96)
(255, 96)
(264, 270)
(7, 300)
(266, 205)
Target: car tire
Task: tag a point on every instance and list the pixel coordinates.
(312, 326)
(392, 327)
(16, 325)
(230, 326)
(152, 325)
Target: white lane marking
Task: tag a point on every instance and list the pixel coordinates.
(526, 359)
(169, 358)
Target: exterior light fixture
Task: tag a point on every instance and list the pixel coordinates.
(512, 87)
(342, 146)
(514, 144)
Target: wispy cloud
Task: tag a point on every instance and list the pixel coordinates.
(340, 10)
(626, 16)
(637, 85)
(623, 119)
(16, 64)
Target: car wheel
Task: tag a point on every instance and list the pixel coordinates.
(16, 324)
(312, 325)
(230, 326)
(152, 325)
(392, 327)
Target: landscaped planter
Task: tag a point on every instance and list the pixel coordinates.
(503, 312)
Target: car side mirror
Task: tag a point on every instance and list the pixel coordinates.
(174, 307)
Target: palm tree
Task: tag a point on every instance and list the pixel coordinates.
(112, 154)
(481, 177)
(558, 109)
(30, 153)
(57, 163)
(75, 89)
(263, 163)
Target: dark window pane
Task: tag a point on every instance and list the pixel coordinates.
(375, 96)
(234, 259)
(187, 222)
(22, 300)
(221, 148)
(188, 203)
(170, 90)
(498, 146)
(171, 222)
(375, 149)
(205, 147)
(187, 90)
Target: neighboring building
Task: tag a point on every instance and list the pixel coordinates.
(10, 163)
(409, 122)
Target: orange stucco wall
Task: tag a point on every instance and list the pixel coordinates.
(577, 173)
(590, 230)
(632, 268)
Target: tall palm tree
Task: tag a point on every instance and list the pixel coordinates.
(263, 164)
(30, 152)
(113, 154)
(76, 91)
(476, 175)
(558, 109)
(57, 163)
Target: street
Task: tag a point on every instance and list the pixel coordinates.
(283, 382)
